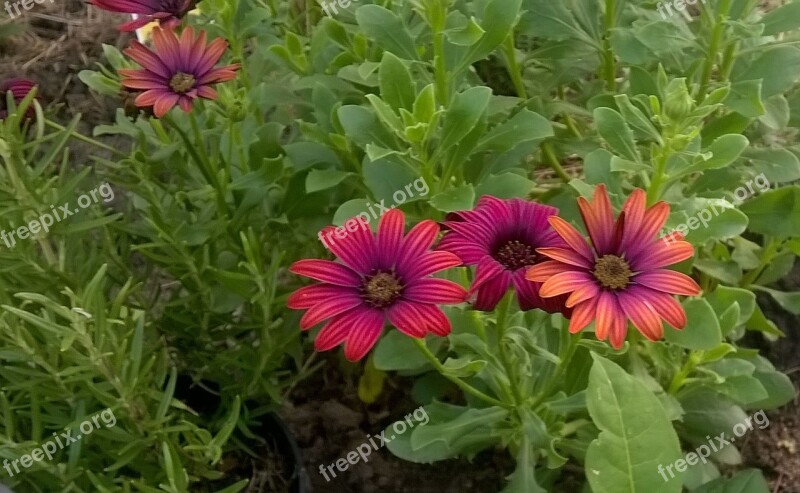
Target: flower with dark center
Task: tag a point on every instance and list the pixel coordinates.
(177, 72)
(167, 13)
(19, 88)
(379, 278)
(621, 276)
(500, 238)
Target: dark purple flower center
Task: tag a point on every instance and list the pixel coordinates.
(182, 82)
(381, 289)
(515, 255)
(613, 272)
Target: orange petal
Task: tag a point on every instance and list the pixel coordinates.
(545, 270)
(668, 281)
(582, 315)
(571, 235)
(642, 315)
(564, 255)
(562, 283)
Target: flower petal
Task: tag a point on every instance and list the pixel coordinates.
(642, 315)
(329, 309)
(491, 292)
(308, 296)
(668, 281)
(564, 282)
(431, 263)
(326, 271)
(365, 331)
(545, 270)
(407, 319)
(567, 256)
(391, 227)
(435, 291)
(574, 239)
(582, 315)
(611, 321)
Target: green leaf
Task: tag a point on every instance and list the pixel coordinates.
(387, 29)
(387, 179)
(631, 419)
(788, 301)
(397, 88)
(775, 213)
(455, 199)
(702, 329)
(504, 186)
(525, 126)
(619, 137)
(322, 179)
(463, 115)
(782, 19)
(749, 481)
(498, 20)
(396, 351)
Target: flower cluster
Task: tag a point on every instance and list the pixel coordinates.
(181, 68)
(618, 277)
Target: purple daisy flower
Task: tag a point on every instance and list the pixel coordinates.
(167, 13)
(500, 237)
(177, 72)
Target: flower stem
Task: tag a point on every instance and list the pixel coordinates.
(552, 160)
(713, 48)
(513, 67)
(469, 389)
(657, 182)
(609, 63)
(502, 325)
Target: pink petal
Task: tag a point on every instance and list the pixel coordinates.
(365, 331)
(407, 319)
(329, 308)
(165, 103)
(492, 291)
(642, 315)
(668, 281)
(431, 263)
(435, 291)
(326, 271)
(564, 282)
(308, 296)
(391, 227)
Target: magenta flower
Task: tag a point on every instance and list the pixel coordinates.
(500, 237)
(167, 13)
(379, 277)
(19, 88)
(177, 72)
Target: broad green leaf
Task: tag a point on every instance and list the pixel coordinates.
(525, 126)
(631, 419)
(387, 29)
(702, 329)
(455, 199)
(749, 481)
(322, 179)
(775, 213)
(463, 115)
(782, 19)
(619, 137)
(397, 87)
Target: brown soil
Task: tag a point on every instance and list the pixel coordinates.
(329, 420)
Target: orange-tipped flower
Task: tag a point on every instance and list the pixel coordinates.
(178, 72)
(621, 275)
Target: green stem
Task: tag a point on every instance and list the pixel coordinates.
(500, 328)
(552, 160)
(469, 389)
(773, 246)
(86, 139)
(440, 69)
(513, 67)
(678, 380)
(713, 48)
(609, 62)
(659, 174)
